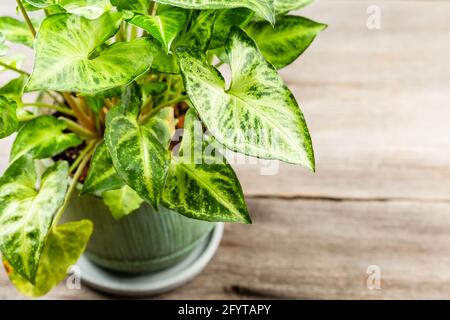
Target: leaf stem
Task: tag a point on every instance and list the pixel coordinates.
(72, 187)
(26, 17)
(7, 66)
(162, 106)
(75, 127)
(64, 110)
(81, 156)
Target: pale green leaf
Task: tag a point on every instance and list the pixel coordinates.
(16, 31)
(138, 6)
(262, 7)
(43, 138)
(165, 26)
(258, 115)
(26, 214)
(122, 202)
(226, 19)
(63, 55)
(63, 248)
(90, 9)
(284, 43)
(8, 117)
(284, 6)
(3, 47)
(139, 151)
(202, 185)
(102, 175)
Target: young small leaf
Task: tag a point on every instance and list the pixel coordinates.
(259, 116)
(43, 138)
(8, 117)
(26, 214)
(122, 202)
(226, 19)
(62, 249)
(284, 43)
(90, 9)
(63, 55)
(200, 32)
(201, 185)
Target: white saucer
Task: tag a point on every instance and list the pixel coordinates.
(154, 283)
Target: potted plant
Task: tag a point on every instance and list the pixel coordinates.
(100, 142)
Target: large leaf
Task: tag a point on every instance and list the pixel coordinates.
(8, 117)
(201, 185)
(63, 55)
(102, 175)
(90, 9)
(26, 214)
(285, 42)
(16, 31)
(139, 151)
(122, 202)
(63, 247)
(226, 19)
(165, 26)
(258, 115)
(42, 138)
(284, 6)
(262, 7)
(138, 6)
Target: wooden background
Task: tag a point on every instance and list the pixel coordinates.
(378, 106)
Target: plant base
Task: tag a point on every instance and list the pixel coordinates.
(152, 283)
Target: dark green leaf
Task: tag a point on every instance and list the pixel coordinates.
(200, 32)
(226, 19)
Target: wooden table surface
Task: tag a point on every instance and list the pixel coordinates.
(378, 106)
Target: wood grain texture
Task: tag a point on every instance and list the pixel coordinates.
(378, 104)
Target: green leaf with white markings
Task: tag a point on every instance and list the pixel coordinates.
(90, 9)
(138, 6)
(165, 26)
(262, 7)
(139, 151)
(26, 214)
(8, 117)
(63, 55)
(283, 44)
(16, 31)
(122, 202)
(62, 249)
(43, 138)
(226, 19)
(200, 32)
(259, 116)
(200, 184)
(284, 6)
(102, 175)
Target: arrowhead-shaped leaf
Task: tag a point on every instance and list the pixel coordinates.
(262, 7)
(226, 19)
(139, 151)
(258, 115)
(122, 202)
(16, 31)
(8, 117)
(63, 55)
(102, 175)
(26, 214)
(63, 248)
(165, 26)
(90, 9)
(284, 43)
(43, 138)
(202, 185)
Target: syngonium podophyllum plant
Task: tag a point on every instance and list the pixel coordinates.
(113, 82)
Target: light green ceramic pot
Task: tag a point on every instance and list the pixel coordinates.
(143, 242)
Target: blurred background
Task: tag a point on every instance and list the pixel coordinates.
(374, 221)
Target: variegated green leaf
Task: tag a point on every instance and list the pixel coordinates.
(284, 6)
(226, 19)
(62, 249)
(165, 26)
(16, 31)
(166, 63)
(63, 55)
(262, 7)
(26, 214)
(283, 44)
(90, 9)
(200, 32)
(202, 185)
(138, 6)
(43, 138)
(13, 89)
(139, 151)
(258, 115)
(3, 47)
(122, 202)
(102, 175)
(8, 117)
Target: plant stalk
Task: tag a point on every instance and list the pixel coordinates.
(75, 127)
(64, 110)
(7, 66)
(81, 156)
(162, 106)
(27, 18)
